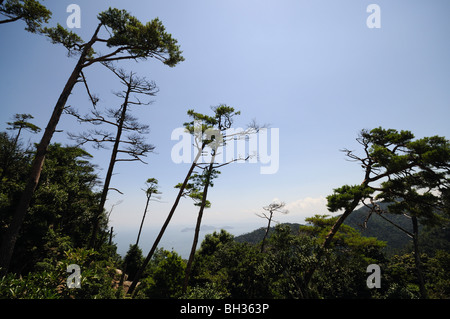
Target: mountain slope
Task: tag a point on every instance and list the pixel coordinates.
(380, 228)
(375, 227)
(256, 236)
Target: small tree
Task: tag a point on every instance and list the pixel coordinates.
(152, 188)
(21, 123)
(342, 270)
(206, 130)
(129, 39)
(135, 146)
(274, 207)
(388, 154)
(166, 277)
(132, 261)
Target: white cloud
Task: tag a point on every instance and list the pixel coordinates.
(307, 207)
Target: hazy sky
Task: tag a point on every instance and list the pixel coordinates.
(312, 69)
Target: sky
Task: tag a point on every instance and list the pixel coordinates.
(311, 69)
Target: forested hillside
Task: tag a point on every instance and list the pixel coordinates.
(56, 234)
(384, 233)
(381, 228)
(256, 236)
(396, 240)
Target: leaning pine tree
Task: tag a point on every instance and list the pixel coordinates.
(126, 38)
(392, 162)
(132, 146)
(274, 207)
(208, 131)
(420, 196)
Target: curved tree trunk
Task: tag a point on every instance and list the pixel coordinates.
(267, 232)
(143, 218)
(328, 239)
(12, 233)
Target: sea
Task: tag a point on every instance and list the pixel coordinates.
(178, 238)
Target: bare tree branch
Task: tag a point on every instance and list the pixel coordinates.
(115, 189)
(94, 99)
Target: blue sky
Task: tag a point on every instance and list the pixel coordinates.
(312, 69)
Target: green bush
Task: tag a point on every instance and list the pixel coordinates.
(41, 285)
(165, 279)
(49, 281)
(207, 291)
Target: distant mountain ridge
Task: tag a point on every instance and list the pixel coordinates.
(205, 228)
(256, 236)
(380, 228)
(376, 227)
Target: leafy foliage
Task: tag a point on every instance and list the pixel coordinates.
(33, 13)
(133, 261)
(343, 197)
(140, 40)
(62, 205)
(69, 39)
(49, 281)
(165, 277)
(279, 271)
(194, 189)
(54, 234)
(127, 34)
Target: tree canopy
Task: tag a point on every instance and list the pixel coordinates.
(32, 12)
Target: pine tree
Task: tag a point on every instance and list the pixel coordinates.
(33, 13)
(387, 155)
(128, 39)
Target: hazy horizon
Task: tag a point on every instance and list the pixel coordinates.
(177, 237)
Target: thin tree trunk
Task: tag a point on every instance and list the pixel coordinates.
(112, 162)
(423, 290)
(328, 240)
(111, 235)
(17, 138)
(143, 218)
(397, 226)
(418, 263)
(267, 232)
(166, 223)
(197, 228)
(335, 229)
(12, 233)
